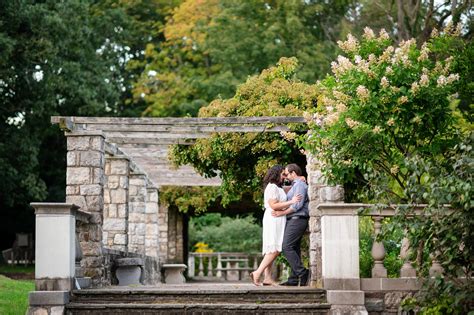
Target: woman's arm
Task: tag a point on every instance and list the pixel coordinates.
(282, 212)
(278, 206)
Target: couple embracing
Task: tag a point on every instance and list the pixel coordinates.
(284, 223)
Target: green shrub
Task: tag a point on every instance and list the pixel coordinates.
(226, 234)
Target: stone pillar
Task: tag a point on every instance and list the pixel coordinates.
(179, 238)
(116, 203)
(152, 231)
(85, 187)
(340, 257)
(163, 232)
(136, 213)
(318, 192)
(55, 246)
(172, 218)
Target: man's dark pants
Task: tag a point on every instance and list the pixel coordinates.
(294, 231)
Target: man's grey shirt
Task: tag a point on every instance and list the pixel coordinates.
(301, 207)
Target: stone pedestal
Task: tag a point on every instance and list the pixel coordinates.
(129, 271)
(55, 246)
(174, 273)
(340, 257)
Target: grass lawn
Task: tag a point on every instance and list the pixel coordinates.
(14, 295)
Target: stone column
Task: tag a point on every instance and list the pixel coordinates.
(340, 257)
(163, 232)
(136, 213)
(55, 246)
(172, 218)
(116, 203)
(318, 192)
(179, 238)
(85, 187)
(152, 231)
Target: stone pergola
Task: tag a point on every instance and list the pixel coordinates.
(116, 166)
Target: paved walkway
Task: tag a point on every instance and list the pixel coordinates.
(204, 286)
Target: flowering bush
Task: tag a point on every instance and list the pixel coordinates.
(382, 104)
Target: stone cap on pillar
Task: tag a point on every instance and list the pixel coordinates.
(61, 208)
(353, 209)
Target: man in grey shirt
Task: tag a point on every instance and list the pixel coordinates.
(297, 216)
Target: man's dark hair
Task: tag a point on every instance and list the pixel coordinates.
(273, 176)
(294, 168)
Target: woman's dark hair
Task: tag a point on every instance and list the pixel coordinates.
(273, 175)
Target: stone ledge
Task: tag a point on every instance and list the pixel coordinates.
(129, 261)
(43, 298)
(85, 133)
(345, 297)
(390, 284)
(341, 284)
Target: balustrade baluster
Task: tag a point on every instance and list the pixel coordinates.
(378, 251)
(191, 266)
(407, 270)
(209, 266)
(219, 266)
(201, 266)
(255, 263)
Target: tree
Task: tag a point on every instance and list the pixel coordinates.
(56, 58)
(383, 105)
(410, 19)
(211, 46)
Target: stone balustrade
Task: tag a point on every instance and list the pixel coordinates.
(223, 265)
(340, 259)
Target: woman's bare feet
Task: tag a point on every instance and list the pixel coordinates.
(254, 278)
(270, 282)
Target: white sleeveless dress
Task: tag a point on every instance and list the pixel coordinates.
(273, 227)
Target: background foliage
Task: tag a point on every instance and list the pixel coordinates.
(225, 234)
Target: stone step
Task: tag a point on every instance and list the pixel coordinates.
(199, 308)
(270, 295)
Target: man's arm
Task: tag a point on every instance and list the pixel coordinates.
(299, 188)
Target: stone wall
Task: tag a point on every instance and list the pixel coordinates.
(136, 213)
(151, 213)
(84, 187)
(385, 303)
(163, 232)
(115, 227)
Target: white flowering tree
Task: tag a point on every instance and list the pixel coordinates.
(382, 105)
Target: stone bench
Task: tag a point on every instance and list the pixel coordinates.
(129, 270)
(174, 273)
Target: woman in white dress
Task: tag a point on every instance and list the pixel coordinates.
(273, 227)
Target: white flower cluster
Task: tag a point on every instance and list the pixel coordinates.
(363, 93)
(351, 45)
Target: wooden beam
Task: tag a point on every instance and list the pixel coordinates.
(141, 141)
(182, 129)
(187, 121)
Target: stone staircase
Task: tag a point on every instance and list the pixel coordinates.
(238, 300)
